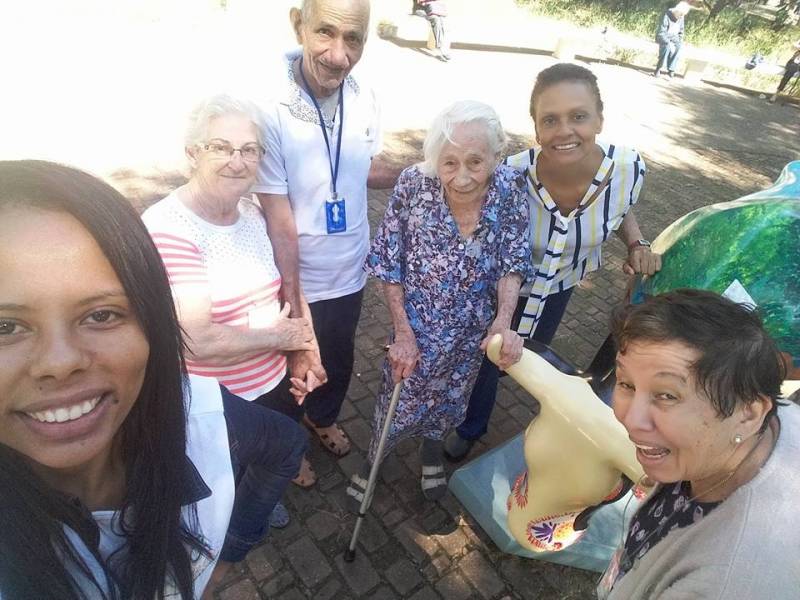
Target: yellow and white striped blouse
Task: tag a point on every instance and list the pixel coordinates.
(567, 248)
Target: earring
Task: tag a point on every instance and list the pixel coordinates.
(737, 439)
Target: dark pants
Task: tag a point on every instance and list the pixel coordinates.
(335, 324)
(484, 393)
(791, 69)
(266, 450)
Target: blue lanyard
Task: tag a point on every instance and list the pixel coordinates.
(340, 105)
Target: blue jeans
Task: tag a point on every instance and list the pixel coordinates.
(266, 450)
(668, 53)
(484, 393)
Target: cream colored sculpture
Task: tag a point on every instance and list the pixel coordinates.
(575, 451)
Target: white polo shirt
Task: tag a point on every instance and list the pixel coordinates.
(296, 164)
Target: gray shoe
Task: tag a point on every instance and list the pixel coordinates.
(279, 517)
(456, 448)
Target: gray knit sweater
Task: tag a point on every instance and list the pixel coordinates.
(747, 548)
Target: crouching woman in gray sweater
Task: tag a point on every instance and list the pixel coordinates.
(698, 385)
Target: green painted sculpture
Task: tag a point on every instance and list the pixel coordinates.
(754, 241)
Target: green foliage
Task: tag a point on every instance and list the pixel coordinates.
(732, 29)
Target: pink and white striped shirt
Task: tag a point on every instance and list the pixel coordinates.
(234, 267)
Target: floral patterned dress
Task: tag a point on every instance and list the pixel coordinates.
(449, 283)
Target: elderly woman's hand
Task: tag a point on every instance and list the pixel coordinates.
(403, 355)
(293, 333)
(511, 351)
(642, 260)
(306, 373)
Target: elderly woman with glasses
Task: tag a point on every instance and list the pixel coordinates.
(451, 253)
(212, 237)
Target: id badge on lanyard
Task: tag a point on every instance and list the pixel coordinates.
(335, 210)
(335, 214)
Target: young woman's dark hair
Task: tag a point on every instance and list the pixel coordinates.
(35, 554)
(738, 360)
(559, 73)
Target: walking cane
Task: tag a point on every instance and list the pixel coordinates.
(350, 553)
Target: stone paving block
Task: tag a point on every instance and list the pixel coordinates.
(383, 500)
(292, 594)
(393, 469)
(393, 517)
(308, 562)
(454, 543)
(357, 389)
(359, 575)
(347, 411)
(521, 415)
(359, 432)
(264, 562)
(331, 589)
(525, 581)
(453, 586)
(302, 500)
(481, 574)
(382, 593)
(242, 590)
(403, 576)
(282, 581)
(351, 463)
(322, 524)
(419, 545)
(329, 481)
(436, 521)
(425, 593)
(372, 536)
(366, 408)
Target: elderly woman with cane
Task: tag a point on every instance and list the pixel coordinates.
(451, 252)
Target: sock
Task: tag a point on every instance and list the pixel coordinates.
(431, 451)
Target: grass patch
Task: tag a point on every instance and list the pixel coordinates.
(734, 30)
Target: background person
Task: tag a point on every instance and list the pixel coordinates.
(213, 239)
(579, 191)
(452, 251)
(436, 11)
(99, 424)
(790, 70)
(669, 37)
(323, 139)
(697, 389)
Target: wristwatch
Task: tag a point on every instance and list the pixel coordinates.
(637, 243)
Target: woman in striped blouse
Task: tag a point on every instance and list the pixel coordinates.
(213, 240)
(579, 191)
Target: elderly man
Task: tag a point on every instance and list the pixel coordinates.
(322, 137)
(669, 37)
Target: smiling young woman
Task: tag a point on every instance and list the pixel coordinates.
(106, 444)
(83, 325)
(580, 190)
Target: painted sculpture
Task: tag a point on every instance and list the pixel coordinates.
(576, 454)
(749, 247)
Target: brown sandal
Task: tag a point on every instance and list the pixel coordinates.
(328, 437)
(307, 477)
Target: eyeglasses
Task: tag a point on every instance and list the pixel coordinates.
(223, 150)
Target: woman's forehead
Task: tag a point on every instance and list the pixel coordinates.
(44, 253)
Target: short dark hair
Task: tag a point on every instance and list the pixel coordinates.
(559, 73)
(738, 362)
(33, 547)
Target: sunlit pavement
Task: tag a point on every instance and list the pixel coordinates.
(106, 86)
